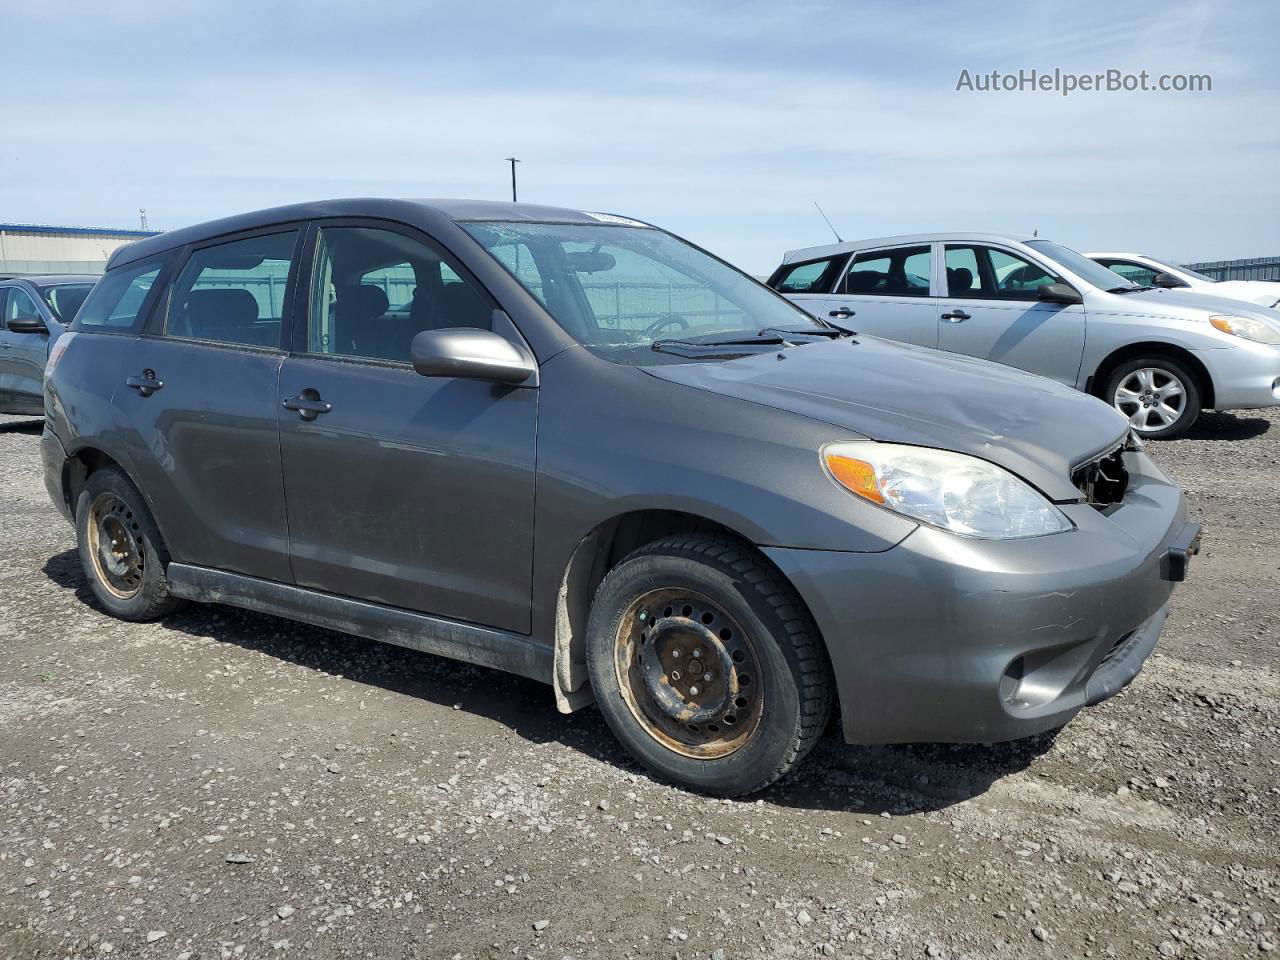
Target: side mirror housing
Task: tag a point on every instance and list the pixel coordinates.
(28, 325)
(1168, 281)
(471, 353)
(1059, 293)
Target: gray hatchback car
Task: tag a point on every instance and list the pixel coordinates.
(575, 447)
(34, 312)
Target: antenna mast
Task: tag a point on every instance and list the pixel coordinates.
(824, 217)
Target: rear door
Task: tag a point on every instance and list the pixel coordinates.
(888, 293)
(404, 490)
(991, 309)
(199, 402)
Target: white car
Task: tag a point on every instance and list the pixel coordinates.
(1150, 272)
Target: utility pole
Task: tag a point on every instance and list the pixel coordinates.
(513, 161)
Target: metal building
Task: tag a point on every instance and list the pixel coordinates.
(28, 249)
(1255, 268)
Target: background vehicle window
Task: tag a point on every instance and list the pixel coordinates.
(116, 299)
(234, 292)
(373, 290)
(64, 299)
(817, 276)
(964, 277)
(19, 306)
(1016, 278)
(1137, 272)
(890, 273)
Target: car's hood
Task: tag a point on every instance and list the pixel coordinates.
(1262, 293)
(1205, 300)
(881, 390)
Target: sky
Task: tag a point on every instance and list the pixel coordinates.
(722, 122)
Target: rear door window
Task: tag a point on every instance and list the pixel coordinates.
(903, 272)
(813, 276)
(116, 302)
(234, 292)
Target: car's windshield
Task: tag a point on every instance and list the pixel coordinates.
(64, 299)
(618, 289)
(1089, 271)
(1181, 271)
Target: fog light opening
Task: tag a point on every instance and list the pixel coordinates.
(1275, 388)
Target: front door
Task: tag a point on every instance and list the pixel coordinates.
(404, 490)
(991, 309)
(199, 401)
(22, 355)
(887, 293)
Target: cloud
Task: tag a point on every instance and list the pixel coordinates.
(724, 119)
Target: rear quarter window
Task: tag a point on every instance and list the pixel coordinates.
(117, 303)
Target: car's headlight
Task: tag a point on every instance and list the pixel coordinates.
(953, 491)
(1247, 327)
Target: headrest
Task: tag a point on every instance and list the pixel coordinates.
(210, 311)
(365, 300)
(861, 281)
(959, 279)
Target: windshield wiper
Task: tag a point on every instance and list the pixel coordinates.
(828, 330)
(1130, 289)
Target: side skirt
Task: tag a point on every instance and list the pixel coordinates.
(484, 646)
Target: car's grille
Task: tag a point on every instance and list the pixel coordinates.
(1103, 481)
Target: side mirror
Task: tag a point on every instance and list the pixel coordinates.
(1168, 281)
(1059, 293)
(470, 352)
(27, 325)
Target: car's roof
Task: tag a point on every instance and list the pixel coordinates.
(847, 246)
(52, 279)
(420, 212)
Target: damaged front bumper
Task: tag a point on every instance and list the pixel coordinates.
(948, 639)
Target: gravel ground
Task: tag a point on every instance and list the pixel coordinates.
(226, 784)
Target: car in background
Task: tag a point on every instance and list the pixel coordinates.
(34, 312)
(595, 455)
(1157, 356)
(1148, 271)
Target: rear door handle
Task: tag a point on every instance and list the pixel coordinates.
(308, 404)
(147, 384)
(841, 313)
(955, 316)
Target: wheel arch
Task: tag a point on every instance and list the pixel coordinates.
(1156, 348)
(607, 544)
(87, 459)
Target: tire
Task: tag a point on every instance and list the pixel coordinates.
(1159, 395)
(128, 581)
(717, 604)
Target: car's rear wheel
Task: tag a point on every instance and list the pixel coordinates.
(1159, 396)
(706, 664)
(120, 548)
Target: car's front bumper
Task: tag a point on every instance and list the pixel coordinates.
(943, 638)
(1245, 376)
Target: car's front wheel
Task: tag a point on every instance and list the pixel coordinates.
(1159, 395)
(706, 664)
(121, 551)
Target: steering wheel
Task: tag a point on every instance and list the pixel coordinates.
(666, 320)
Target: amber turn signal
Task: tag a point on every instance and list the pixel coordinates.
(855, 475)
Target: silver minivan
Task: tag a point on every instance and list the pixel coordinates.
(1159, 356)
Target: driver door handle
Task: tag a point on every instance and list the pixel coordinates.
(308, 404)
(146, 384)
(841, 313)
(955, 316)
